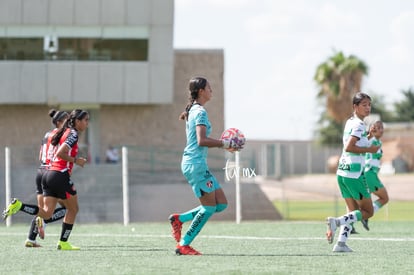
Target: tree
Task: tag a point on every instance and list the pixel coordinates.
(329, 131)
(404, 109)
(339, 78)
(378, 106)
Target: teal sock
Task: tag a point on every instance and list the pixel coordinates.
(220, 207)
(197, 224)
(189, 215)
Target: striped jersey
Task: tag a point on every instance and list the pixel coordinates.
(47, 149)
(351, 165)
(372, 160)
(70, 138)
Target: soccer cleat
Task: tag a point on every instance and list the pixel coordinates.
(66, 246)
(186, 250)
(365, 224)
(330, 232)
(176, 225)
(30, 243)
(40, 225)
(12, 208)
(342, 248)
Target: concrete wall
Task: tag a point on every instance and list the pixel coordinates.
(68, 82)
(140, 125)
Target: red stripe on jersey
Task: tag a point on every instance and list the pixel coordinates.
(70, 138)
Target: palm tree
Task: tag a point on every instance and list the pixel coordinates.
(404, 110)
(339, 78)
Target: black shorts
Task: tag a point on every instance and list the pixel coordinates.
(58, 185)
(39, 175)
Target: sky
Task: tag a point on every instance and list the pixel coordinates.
(273, 47)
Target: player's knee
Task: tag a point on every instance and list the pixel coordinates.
(220, 207)
(209, 210)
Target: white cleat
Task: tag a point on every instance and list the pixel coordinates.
(342, 248)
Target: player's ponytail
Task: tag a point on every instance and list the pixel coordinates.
(194, 86)
(69, 123)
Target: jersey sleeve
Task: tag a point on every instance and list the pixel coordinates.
(358, 130)
(201, 118)
(71, 139)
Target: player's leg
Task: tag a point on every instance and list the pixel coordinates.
(34, 230)
(72, 209)
(382, 200)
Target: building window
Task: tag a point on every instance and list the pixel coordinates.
(72, 48)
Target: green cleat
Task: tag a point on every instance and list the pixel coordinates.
(66, 246)
(12, 208)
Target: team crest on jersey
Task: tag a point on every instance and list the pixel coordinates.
(209, 184)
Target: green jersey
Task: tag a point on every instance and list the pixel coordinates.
(372, 160)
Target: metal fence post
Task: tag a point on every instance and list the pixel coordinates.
(125, 192)
(238, 195)
(7, 180)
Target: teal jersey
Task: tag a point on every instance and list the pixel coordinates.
(352, 165)
(193, 153)
(372, 160)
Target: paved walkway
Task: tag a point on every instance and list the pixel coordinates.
(324, 187)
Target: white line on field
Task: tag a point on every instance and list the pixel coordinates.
(255, 238)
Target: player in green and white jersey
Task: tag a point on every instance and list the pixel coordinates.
(350, 174)
(372, 167)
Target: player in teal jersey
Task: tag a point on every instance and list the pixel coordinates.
(350, 174)
(372, 167)
(195, 169)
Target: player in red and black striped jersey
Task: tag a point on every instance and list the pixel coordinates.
(56, 182)
(58, 119)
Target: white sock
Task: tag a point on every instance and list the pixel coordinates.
(344, 233)
(348, 218)
(376, 206)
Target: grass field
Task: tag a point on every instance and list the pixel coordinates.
(227, 247)
(314, 210)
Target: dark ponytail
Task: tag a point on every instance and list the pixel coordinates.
(194, 86)
(57, 116)
(69, 123)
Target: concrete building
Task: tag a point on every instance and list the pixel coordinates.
(114, 58)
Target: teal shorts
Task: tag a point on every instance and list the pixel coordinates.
(373, 181)
(200, 178)
(356, 189)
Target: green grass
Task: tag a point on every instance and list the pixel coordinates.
(314, 210)
(228, 248)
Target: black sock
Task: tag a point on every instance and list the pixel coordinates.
(58, 214)
(33, 230)
(29, 209)
(66, 229)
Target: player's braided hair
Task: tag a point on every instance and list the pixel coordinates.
(69, 123)
(194, 86)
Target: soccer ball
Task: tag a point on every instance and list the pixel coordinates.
(233, 133)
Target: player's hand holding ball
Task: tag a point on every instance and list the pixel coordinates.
(233, 139)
